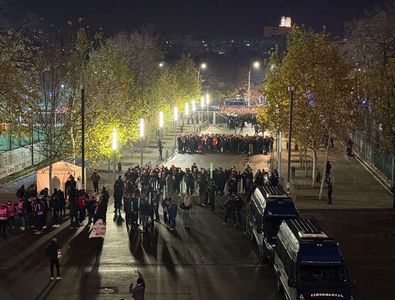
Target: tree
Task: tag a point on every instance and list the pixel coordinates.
(315, 67)
(16, 62)
(48, 107)
(187, 83)
(109, 102)
(371, 49)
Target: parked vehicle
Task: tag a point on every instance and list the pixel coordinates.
(309, 264)
(270, 205)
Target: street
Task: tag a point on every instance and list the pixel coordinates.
(209, 261)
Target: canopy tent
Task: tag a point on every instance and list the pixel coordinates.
(61, 171)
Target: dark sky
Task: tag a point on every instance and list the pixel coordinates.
(204, 17)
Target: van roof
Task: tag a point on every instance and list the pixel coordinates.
(273, 201)
(308, 243)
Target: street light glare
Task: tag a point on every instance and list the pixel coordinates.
(193, 105)
(202, 101)
(207, 99)
(175, 113)
(141, 127)
(256, 64)
(161, 119)
(161, 65)
(186, 109)
(203, 66)
(114, 140)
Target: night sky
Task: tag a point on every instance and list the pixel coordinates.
(203, 18)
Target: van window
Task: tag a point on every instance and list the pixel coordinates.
(322, 274)
(257, 217)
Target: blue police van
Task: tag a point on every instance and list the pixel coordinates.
(309, 264)
(269, 206)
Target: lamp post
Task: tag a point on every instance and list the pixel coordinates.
(193, 114)
(186, 112)
(161, 123)
(203, 66)
(291, 90)
(175, 119)
(201, 107)
(207, 103)
(255, 65)
(141, 127)
(115, 148)
(83, 135)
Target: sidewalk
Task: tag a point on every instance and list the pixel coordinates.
(353, 186)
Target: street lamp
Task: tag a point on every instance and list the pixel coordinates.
(114, 148)
(207, 103)
(255, 65)
(161, 64)
(202, 107)
(193, 114)
(186, 112)
(175, 119)
(141, 128)
(161, 119)
(203, 66)
(291, 90)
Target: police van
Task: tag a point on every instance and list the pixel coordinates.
(269, 206)
(309, 264)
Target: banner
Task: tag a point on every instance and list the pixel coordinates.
(98, 230)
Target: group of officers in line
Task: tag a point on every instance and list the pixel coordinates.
(223, 143)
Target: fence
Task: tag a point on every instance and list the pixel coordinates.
(369, 152)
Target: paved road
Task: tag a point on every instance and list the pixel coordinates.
(211, 261)
(367, 241)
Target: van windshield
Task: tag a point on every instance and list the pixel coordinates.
(322, 274)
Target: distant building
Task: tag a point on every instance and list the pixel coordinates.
(281, 30)
(272, 37)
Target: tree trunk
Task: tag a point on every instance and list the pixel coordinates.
(313, 177)
(323, 178)
(49, 176)
(305, 161)
(73, 144)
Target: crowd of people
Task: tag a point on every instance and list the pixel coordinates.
(37, 211)
(140, 193)
(222, 143)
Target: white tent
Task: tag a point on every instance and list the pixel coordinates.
(61, 171)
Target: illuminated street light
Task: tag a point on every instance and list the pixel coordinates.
(161, 119)
(203, 66)
(186, 109)
(141, 127)
(115, 148)
(193, 114)
(175, 113)
(202, 101)
(175, 119)
(161, 64)
(114, 140)
(255, 65)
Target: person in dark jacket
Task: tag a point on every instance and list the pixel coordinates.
(138, 289)
(53, 252)
(55, 207)
(172, 215)
(118, 193)
(105, 197)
